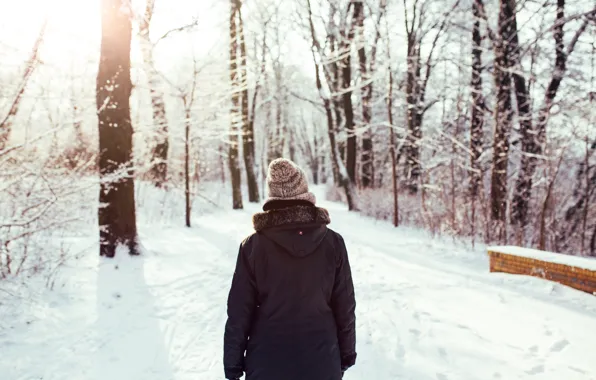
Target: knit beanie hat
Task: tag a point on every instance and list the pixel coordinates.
(287, 181)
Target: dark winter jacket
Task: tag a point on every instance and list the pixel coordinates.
(291, 304)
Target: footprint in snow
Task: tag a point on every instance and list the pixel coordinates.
(536, 370)
(547, 331)
(442, 352)
(577, 370)
(559, 346)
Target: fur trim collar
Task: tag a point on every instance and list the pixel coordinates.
(290, 215)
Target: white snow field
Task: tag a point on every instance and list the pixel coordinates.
(427, 309)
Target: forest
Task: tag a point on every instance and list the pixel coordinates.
(466, 118)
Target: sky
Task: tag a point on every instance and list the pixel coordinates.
(73, 32)
(71, 45)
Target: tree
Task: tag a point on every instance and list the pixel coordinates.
(188, 99)
(235, 111)
(248, 133)
(340, 172)
(116, 212)
(417, 81)
(478, 108)
(366, 69)
(7, 121)
(533, 136)
(503, 115)
(159, 159)
(393, 150)
(346, 83)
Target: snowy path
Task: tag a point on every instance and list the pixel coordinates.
(427, 310)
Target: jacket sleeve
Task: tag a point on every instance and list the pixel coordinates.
(241, 306)
(343, 302)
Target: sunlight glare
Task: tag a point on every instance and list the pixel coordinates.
(72, 25)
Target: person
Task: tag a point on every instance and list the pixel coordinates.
(291, 305)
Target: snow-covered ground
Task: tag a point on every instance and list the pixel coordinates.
(427, 309)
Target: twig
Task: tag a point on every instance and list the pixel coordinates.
(183, 28)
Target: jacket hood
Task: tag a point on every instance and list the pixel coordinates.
(299, 230)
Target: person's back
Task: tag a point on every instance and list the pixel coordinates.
(291, 304)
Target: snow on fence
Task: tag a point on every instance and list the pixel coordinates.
(576, 272)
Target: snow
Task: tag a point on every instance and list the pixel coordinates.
(427, 309)
(574, 261)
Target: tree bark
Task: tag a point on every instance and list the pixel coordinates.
(366, 156)
(116, 213)
(529, 139)
(334, 82)
(477, 122)
(346, 81)
(414, 119)
(393, 151)
(584, 195)
(187, 208)
(276, 137)
(248, 141)
(478, 105)
(315, 163)
(235, 115)
(159, 150)
(503, 115)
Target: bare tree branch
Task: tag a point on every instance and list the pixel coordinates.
(180, 29)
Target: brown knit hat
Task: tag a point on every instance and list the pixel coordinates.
(286, 181)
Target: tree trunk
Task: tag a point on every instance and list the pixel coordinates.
(545, 204)
(414, 119)
(116, 213)
(276, 137)
(222, 163)
(234, 113)
(248, 141)
(478, 106)
(346, 81)
(6, 123)
(584, 195)
(529, 139)
(503, 118)
(315, 163)
(477, 122)
(393, 151)
(334, 82)
(187, 208)
(159, 150)
(587, 194)
(366, 157)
